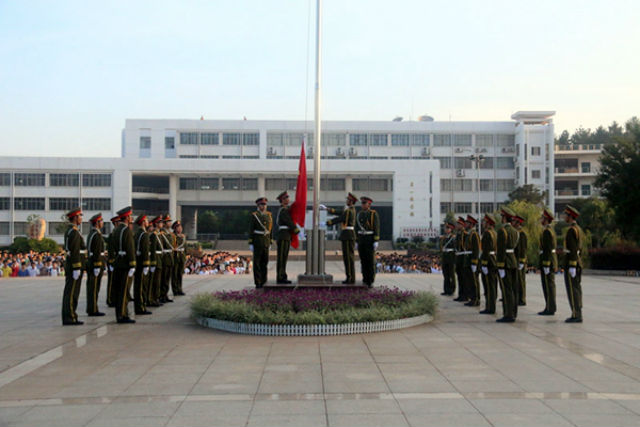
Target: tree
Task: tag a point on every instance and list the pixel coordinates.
(619, 179)
(208, 222)
(531, 213)
(528, 193)
(450, 217)
(597, 217)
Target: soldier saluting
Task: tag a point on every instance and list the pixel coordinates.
(347, 220)
(75, 254)
(95, 264)
(260, 225)
(285, 227)
(368, 223)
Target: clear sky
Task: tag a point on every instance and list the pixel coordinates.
(71, 72)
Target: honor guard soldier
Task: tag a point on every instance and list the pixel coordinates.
(111, 258)
(260, 225)
(167, 258)
(368, 223)
(143, 263)
(573, 264)
(347, 220)
(448, 257)
(285, 228)
(124, 266)
(76, 252)
(507, 265)
(155, 270)
(521, 255)
(460, 253)
(472, 261)
(548, 263)
(180, 258)
(95, 264)
(488, 261)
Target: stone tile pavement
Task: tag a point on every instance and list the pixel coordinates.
(461, 370)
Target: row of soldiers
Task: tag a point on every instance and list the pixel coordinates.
(501, 259)
(151, 258)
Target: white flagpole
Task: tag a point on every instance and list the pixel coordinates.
(317, 143)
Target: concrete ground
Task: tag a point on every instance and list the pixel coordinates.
(461, 370)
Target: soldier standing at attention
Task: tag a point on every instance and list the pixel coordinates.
(285, 228)
(489, 278)
(167, 258)
(111, 258)
(460, 252)
(74, 260)
(347, 220)
(260, 225)
(548, 263)
(448, 257)
(368, 223)
(573, 264)
(507, 264)
(180, 258)
(521, 255)
(95, 264)
(155, 271)
(143, 262)
(472, 260)
(124, 266)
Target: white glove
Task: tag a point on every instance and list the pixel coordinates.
(111, 268)
(501, 273)
(474, 268)
(251, 248)
(520, 266)
(356, 246)
(145, 270)
(153, 269)
(485, 270)
(301, 234)
(76, 274)
(546, 270)
(375, 246)
(131, 272)
(323, 224)
(96, 271)
(572, 271)
(323, 207)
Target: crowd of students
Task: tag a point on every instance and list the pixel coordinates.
(396, 263)
(31, 264)
(220, 262)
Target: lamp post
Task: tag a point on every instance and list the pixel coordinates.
(477, 159)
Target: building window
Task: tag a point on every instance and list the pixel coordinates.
(231, 138)
(229, 184)
(188, 156)
(535, 151)
(4, 228)
(28, 203)
(442, 140)
(208, 183)
(420, 140)
(535, 173)
(505, 140)
(64, 180)
(378, 139)
(96, 204)
(188, 183)
(401, 140)
(62, 203)
(462, 140)
(5, 203)
(250, 184)
(189, 138)
(456, 185)
(209, 139)
(334, 139)
(486, 207)
(463, 207)
(20, 228)
(275, 184)
(370, 184)
(358, 139)
(462, 163)
(484, 140)
(445, 207)
(145, 142)
(332, 184)
(505, 163)
(29, 179)
(586, 167)
(504, 185)
(250, 139)
(169, 143)
(275, 139)
(194, 183)
(486, 185)
(5, 179)
(585, 190)
(487, 163)
(445, 162)
(96, 180)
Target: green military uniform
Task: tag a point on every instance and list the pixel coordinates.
(123, 268)
(460, 253)
(179, 261)
(472, 260)
(549, 261)
(572, 243)
(285, 227)
(368, 223)
(506, 261)
(260, 226)
(488, 268)
(448, 257)
(521, 275)
(347, 220)
(167, 263)
(155, 258)
(74, 261)
(95, 261)
(111, 258)
(143, 264)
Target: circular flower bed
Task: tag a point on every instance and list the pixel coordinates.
(296, 307)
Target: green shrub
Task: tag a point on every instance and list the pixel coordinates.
(24, 244)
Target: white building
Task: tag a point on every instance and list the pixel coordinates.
(576, 170)
(416, 172)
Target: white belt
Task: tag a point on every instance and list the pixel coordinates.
(166, 251)
(459, 253)
(158, 252)
(138, 253)
(284, 227)
(82, 251)
(466, 253)
(365, 232)
(510, 251)
(492, 252)
(349, 227)
(448, 250)
(553, 251)
(258, 232)
(180, 249)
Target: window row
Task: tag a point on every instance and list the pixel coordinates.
(56, 179)
(56, 203)
(470, 185)
(213, 138)
(54, 228)
(213, 183)
(467, 163)
(467, 207)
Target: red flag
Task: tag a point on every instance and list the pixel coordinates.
(298, 208)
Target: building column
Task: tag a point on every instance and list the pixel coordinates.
(173, 196)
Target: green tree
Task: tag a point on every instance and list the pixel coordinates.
(24, 244)
(528, 193)
(450, 217)
(597, 217)
(619, 180)
(532, 226)
(209, 222)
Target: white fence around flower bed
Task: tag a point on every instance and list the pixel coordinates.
(312, 330)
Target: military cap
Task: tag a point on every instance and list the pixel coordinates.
(94, 219)
(506, 211)
(519, 219)
(450, 224)
(461, 220)
(366, 199)
(490, 219)
(571, 211)
(125, 212)
(261, 200)
(167, 218)
(156, 220)
(115, 219)
(140, 219)
(74, 212)
(176, 223)
(546, 212)
(282, 196)
(471, 219)
(352, 197)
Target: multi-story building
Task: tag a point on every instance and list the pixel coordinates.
(415, 171)
(576, 169)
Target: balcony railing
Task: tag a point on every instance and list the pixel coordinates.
(143, 189)
(578, 147)
(567, 192)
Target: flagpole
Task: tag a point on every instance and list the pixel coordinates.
(317, 144)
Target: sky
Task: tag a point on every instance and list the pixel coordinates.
(72, 72)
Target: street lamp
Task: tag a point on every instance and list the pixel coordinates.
(477, 159)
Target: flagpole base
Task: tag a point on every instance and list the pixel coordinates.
(315, 279)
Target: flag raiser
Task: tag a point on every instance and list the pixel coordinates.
(298, 208)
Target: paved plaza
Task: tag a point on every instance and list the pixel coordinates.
(463, 369)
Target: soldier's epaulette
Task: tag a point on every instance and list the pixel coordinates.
(373, 210)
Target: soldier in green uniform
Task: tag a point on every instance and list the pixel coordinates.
(460, 253)
(179, 259)
(260, 226)
(143, 263)
(124, 265)
(448, 257)
(167, 258)
(95, 264)
(548, 263)
(347, 219)
(488, 261)
(507, 265)
(521, 256)
(573, 264)
(155, 270)
(368, 223)
(285, 227)
(111, 258)
(75, 256)
(472, 261)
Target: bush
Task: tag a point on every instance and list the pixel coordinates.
(24, 244)
(620, 257)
